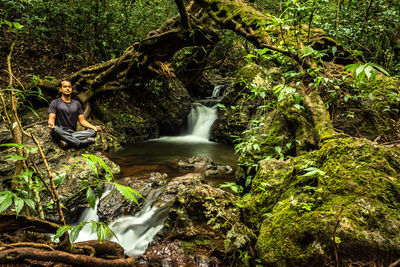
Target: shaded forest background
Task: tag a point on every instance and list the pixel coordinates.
(60, 37)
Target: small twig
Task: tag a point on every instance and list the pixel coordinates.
(391, 142)
(334, 237)
(41, 179)
(33, 124)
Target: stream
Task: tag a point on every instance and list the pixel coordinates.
(162, 155)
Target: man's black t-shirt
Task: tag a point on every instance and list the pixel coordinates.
(66, 113)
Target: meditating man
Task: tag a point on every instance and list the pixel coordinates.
(64, 113)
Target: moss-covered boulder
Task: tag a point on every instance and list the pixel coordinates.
(343, 198)
(203, 222)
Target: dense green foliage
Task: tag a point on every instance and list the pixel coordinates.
(86, 31)
(370, 27)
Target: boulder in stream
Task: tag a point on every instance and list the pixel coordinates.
(205, 166)
(203, 225)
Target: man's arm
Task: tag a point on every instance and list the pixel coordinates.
(51, 121)
(86, 124)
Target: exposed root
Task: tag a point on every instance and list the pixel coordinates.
(16, 255)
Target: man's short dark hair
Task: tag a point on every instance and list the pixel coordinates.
(63, 80)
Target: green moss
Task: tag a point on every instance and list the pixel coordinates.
(299, 211)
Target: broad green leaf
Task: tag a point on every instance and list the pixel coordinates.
(14, 157)
(381, 69)
(13, 145)
(312, 170)
(61, 231)
(368, 71)
(297, 98)
(299, 107)
(91, 165)
(334, 50)
(17, 25)
(59, 178)
(359, 70)
(18, 205)
(75, 231)
(90, 197)
(30, 203)
(93, 227)
(101, 162)
(101, 235)
(262, 51)
(5, 204)
(351, 67)
(248, 181)
(127, 192)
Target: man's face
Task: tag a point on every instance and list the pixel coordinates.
(66, 88)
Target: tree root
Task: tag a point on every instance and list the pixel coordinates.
(16, 255)
(10, 223)
(105, 250)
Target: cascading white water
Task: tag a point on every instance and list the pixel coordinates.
(201, 119)
(134, 233)
(217, 91)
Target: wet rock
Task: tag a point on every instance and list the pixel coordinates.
(172, 254)
(115, 205)
(177, 185)
(204, 165)
(5, 135)
(199, 221)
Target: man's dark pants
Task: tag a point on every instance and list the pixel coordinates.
(74, 139)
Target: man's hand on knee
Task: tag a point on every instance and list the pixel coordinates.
(97, 128)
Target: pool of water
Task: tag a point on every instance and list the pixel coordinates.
(163, 154)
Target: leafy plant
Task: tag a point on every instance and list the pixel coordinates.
(368, 70)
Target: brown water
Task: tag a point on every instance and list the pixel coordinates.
(162, 155)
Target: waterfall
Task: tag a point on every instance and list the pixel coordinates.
(134, 233)
(200, 120)
(217, 91)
